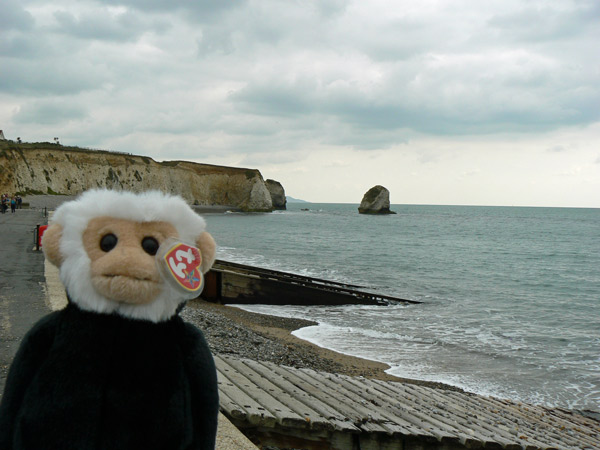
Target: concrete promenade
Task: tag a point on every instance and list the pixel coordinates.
(22, 282)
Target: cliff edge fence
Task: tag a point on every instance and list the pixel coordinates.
(46, 168)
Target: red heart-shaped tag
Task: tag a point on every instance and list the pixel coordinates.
(184, 263)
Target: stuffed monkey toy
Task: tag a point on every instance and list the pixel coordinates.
(117, 368)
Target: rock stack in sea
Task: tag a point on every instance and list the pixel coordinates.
(277, 194)
(376, 201)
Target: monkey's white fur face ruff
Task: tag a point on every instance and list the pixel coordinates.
(150, 206)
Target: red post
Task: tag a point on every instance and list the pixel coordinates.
(40, 234)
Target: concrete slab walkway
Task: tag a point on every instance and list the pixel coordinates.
(22, 282)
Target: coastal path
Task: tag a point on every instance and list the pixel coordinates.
(301, 408)
(22, 287)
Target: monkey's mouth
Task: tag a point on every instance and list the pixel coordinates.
(129, 277)
(133, 289)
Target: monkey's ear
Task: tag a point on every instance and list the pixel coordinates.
(208, 249)
(51, 244)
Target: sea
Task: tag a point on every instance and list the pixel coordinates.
(510, 296)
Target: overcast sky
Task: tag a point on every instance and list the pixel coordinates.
(492, 102)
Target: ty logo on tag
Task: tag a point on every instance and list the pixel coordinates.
(184, 262)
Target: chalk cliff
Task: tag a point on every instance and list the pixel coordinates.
(45, 168)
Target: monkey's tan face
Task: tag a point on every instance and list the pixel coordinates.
(123, 266)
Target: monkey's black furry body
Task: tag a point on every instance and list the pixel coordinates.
(84, 380)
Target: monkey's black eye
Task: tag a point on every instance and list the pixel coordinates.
(150, 245)
(108, 242)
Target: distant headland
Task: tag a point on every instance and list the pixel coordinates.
(295, 200)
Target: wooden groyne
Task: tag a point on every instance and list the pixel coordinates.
(232, 283)
(301, 408)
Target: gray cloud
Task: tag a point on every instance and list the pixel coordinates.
(276, 98)
(548, 23)
(266, 26)
(15, 23)
(48, 77)
(215, 41)
(250, 75)
(467, 95)
(102, 25)
(432, 74)
(49, 112)
(331, 8)
(201, 11)
(19, 46)
(14, 17)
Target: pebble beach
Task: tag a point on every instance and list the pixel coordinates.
(232, 331)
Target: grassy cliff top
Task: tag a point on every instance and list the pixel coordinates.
(53, 147)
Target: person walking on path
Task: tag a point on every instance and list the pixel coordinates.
(13, 205)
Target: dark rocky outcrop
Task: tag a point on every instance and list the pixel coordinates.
(376, 201)
(277, 194)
